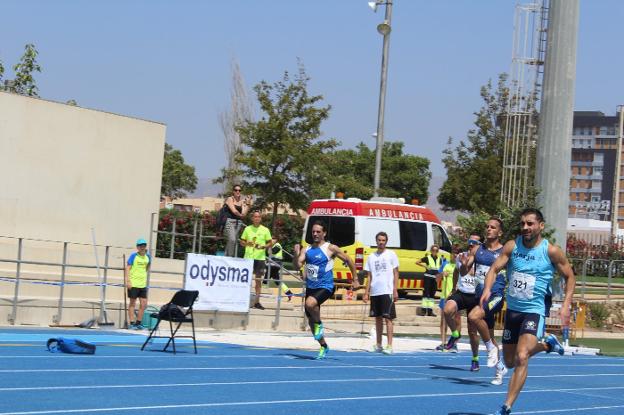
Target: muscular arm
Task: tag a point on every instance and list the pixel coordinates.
(496, 267)
(559, 260)
(299, 257)
(337, 252)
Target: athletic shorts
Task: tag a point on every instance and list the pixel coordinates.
(321, 294)
(137, 292)
(493, 306)
(464, 301)
(382, 306)
(442, 303)
(259, 267)
(517, 324)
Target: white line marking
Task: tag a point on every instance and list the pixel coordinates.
(169, 385)
(294, 401)
(272, 382)
(315, 367)
(570, 410)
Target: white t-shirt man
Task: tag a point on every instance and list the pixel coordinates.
(381, 266)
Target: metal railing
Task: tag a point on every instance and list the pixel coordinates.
(611, 269)
(82, 272)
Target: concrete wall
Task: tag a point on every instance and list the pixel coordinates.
(66, 169)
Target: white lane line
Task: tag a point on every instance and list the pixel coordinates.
(289, 367)
(274, 382)
(570, 410)
(293, 401)
(236, 383)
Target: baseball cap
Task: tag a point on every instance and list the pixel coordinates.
(141, 241)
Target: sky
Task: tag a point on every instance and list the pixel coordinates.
(169, 61)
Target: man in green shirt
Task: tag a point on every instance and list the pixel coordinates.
(256, 238)
(136, 283)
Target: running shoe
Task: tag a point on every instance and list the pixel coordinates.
(440, 347)
(322, 352)
(131, 327)
(474, 366)
(503, 411)
(452, 341)
(500, 374)
(318, 331)
(492, 357)
(453, 349)
(387, 350)
(554, 344)
(139, 327)
(376, 349)
(258, 306)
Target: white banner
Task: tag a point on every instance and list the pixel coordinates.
(224, 283)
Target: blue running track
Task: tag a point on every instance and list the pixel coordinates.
(231, 379)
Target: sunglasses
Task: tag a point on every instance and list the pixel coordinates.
(237, 190)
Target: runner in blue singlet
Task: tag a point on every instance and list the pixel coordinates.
(319, 278)
(531, 261)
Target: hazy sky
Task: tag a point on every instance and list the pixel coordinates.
(169, 61)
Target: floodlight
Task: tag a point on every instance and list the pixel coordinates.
(373, 5)
(384, 28)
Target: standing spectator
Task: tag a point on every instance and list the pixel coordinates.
(382, 269)
(256, 238)
(136, 271)
(433, 266)
(449, 275)
(237, 210)
(274, 269)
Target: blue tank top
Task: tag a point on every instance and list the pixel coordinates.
(530, 273)
(484, 258)
(319, 267)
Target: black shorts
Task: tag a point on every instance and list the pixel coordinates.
(137, 292)
(321, 294)
(464, 301)
(517, 324)
(382, 306)
(259, 267)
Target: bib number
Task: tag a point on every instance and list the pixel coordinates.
(480, 273)
(311, 272)
(521, 285)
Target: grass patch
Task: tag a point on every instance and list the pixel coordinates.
(608, 347)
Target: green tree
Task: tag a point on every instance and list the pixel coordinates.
(282, 156)
(402, 175)
(474, 167)
(24, 81)
(178, 178)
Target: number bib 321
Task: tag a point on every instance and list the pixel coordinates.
(521, 285)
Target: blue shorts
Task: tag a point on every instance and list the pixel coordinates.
(441, 304)
(494, 304)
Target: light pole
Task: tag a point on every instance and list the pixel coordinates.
(384, 29)
(615, 204)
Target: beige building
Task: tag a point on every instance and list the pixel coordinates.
(68, 169)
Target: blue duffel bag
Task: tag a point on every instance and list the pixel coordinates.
(74, 346)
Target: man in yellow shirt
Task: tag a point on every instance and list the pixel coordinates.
(136, 270)
(256, 238)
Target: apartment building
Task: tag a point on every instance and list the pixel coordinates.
(594, 158)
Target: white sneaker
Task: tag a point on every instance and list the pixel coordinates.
(376, 349)
(498, 377)
(492, 357)
(387, 350)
